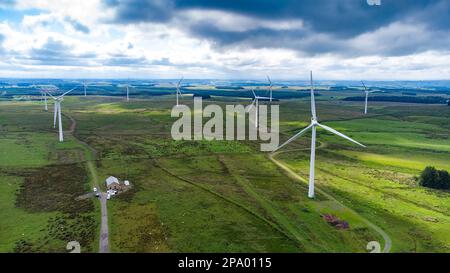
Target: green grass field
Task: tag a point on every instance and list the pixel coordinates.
(379, 182)
(221, 196)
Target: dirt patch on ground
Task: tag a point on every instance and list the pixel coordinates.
(67, 156)
(62, 229)
(54, 188)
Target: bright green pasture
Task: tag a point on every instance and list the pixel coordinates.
(16, 223)
(380, 180)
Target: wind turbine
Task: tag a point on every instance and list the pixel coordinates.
(178, 89)
(85, 88)
(313, 127)
(127, 86)
(270, 87)
(57, 112)
(255, 103)
(367, 97)
(44, 94)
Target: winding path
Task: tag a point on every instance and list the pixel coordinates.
(291, 173)
(104, 231)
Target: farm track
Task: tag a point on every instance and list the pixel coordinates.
(291, 173)
(104, 230)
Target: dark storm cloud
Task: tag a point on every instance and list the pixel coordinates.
(265, 37)
(55, 52)
(125, 60)
(338, 20)
(135, 11)
(7, 3)
(77, 25)
(345, 17)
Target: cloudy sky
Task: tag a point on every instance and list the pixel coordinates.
(338, 39)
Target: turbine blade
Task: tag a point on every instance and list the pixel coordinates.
(340, 134)
(270, 87)
(68, 92)
(299, 134)
(179, 82)
(254, 94)
(313, 99)
(270, 82)
(50, 95)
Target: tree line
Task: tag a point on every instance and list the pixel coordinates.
(406, 99)
(435, 179)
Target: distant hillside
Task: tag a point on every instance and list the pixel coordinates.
(406, 99)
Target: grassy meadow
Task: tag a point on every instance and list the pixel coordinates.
(220, 196)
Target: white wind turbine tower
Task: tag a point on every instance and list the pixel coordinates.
(85, 88)
(127, 86)
(57, 113)
(313, 127)
(367, 97)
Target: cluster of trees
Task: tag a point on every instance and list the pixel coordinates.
(229, 87)
(435, 179)
(406, 99)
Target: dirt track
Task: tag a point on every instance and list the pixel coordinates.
(104, 230)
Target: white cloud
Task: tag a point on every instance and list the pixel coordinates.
(168, 50)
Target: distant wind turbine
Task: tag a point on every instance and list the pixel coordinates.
(85, 88)
(178, 90)
(313, 126)
(255, 103)
(270, 87)
(57, 112)
(44, 95)
(127, 88)
(367, 97)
